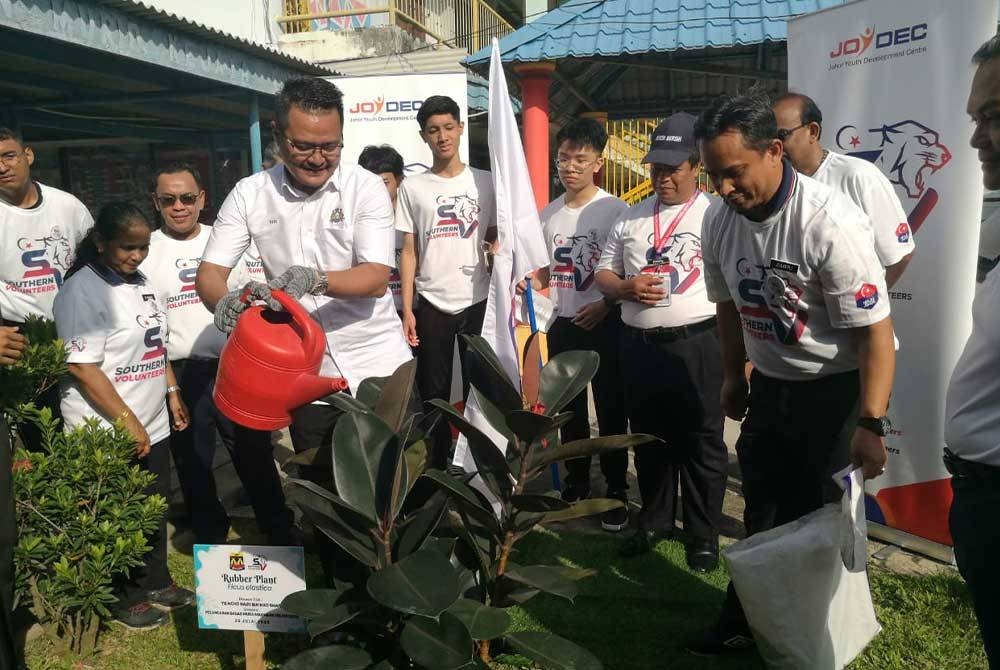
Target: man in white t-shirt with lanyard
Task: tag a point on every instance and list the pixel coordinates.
(972, 405)
(40, 227)
(175, 250)
(576, 226)
(798, 287)
(446, 215)
(670, 350)
(800, 127)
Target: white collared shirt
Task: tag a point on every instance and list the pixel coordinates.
(346, 222)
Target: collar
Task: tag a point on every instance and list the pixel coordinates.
(332, 184)
(112, 278)
(784, 192)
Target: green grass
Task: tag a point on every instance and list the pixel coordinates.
(633, 615)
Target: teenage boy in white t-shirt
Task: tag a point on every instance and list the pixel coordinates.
(576, 226)
(175, 251)
(446, 216)
(388, 164)
(799, 289)
(40, 228)
(800, 126)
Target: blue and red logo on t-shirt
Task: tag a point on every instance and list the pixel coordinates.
(867, 296)
(903, 233)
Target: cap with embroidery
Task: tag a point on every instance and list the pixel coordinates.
(673, 140)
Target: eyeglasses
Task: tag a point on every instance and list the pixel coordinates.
(785, 133)
(187, 199)
(306, 149)
(568, 165)
(10, 158)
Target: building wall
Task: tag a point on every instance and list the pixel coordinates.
(249, 19)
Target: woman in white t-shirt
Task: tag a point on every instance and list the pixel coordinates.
(115, 332)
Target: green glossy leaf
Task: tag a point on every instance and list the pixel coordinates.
(525, 521)
(350, 529)
(576, 574)
(312, 603)
(443, 644)
(553, 652)
(493, 414)
(487, 374)
(423, 583)
(361, 548)
(564, 377)
(341, 614)
(530, 427)
(490, 462)
(538, 503)
(416, 460)
(482, 621)
(531, 369)
(317, 456)
(337, 656)
(347, 403)
(463, 493)
(389, 495)
(583, 508)
(462, 527)
(418, 526)
(370, 390)
(393, 405)
(546, 578)
(360, 465)
(542, 458)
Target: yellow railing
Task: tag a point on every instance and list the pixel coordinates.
(463, 24)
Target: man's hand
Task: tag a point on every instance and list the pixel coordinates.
(868, 451)
(298, 281)
(178, 411)
(410, 329)
(231, 305)
(645, 289)
(138, 432)
(735, 397)
(12, 345)
(590, 315)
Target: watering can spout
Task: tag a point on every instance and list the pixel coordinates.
(308, 388)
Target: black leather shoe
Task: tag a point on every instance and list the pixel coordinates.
(703, 555)
(642, 542)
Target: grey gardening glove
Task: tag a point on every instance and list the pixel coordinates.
(299, 280)
(229, 308)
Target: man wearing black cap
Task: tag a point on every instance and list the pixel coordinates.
(670, 349)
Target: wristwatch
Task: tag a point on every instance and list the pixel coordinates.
(321, 285)
(879, 425)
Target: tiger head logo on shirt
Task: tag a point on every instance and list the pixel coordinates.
(683, 256)
(458, 216)
(576, 256)
(46, 256)
(152, 318)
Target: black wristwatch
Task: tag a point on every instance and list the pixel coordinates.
(879, 425)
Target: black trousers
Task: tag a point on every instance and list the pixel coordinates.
(974, 529)
(609, 400)
(672, 389)
(787, 450)
(8, 539)
(251, 453)
(437, 331)
(153, 573)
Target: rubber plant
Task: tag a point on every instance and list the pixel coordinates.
(438, 574)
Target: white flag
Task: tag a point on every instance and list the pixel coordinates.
(522, 246)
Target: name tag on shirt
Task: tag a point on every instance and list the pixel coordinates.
(661, 270)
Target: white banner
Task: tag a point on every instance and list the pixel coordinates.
(383, 110)
(891, 79)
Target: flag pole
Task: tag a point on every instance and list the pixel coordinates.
(529, 303)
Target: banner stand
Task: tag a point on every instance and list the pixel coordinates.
(913, 543)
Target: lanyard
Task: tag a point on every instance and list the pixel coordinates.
(660, 241)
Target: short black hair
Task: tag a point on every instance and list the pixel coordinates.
(379, 159)
(437, 104)
(809, 111)
(174, 168)
(310, 94)
(11, 133)
(749, 113)
(989, 50)
(585, 132)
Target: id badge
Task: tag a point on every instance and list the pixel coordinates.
(661, 270)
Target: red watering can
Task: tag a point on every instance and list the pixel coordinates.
(269, 366)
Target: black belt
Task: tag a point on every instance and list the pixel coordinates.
(670, 334)
(961, 468)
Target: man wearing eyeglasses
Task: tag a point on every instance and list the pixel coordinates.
(40, 228)
(194, 348)
(670, 349)
(800, 127)
(324, 230)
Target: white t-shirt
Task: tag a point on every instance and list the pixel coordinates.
(122, 327)
(346, 222)
(170, 268)
(799, 279)
(449, 218)
(972, 405)
(575, 237)
(630, 251)
(395, 281)
(872, 191)
(37, 246)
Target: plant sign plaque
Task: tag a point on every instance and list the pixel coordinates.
(240, 587)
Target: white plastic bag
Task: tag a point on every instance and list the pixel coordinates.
(804, 587)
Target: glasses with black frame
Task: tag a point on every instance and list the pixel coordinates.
(785, 133)
(306, 149)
